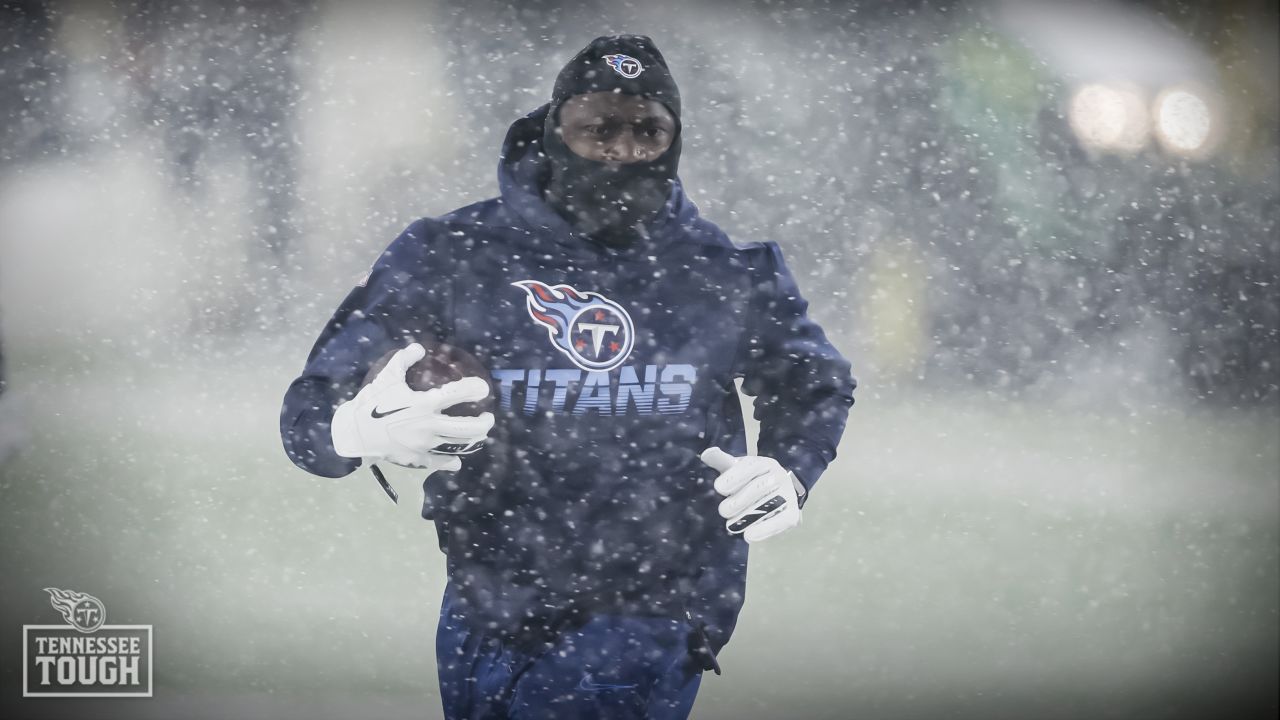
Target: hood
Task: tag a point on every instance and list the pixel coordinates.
(522, 173)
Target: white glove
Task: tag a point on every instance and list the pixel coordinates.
(388, 421)
(761, 497)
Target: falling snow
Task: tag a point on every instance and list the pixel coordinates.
(1045, 235)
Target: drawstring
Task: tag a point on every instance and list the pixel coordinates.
(386, 486)
(700, 645)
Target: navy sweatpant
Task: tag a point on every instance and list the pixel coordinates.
(611, 667)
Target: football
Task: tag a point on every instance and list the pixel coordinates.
(442, 364)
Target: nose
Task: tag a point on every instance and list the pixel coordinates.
(624, 149)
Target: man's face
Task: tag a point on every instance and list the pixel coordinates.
(615, 129)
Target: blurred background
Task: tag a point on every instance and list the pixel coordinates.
(1044, 232)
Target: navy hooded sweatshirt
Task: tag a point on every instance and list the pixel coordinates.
(613, 369)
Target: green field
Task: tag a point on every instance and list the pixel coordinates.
(966, 556)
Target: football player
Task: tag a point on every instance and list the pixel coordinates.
(597, 543)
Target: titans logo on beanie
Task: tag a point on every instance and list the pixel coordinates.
(625, 65)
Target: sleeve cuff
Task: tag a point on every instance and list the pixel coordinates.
(806, 464)
(310, 446)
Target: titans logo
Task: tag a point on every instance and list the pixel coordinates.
(589, 328)
(625, 65)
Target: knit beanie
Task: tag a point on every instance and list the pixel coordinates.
(629, 64)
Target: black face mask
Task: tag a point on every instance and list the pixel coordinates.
(610, 205)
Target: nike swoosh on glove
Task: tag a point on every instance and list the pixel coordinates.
(761, 497)
(387, 420)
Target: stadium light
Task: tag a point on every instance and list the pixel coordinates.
(1184, 121)
(1110, 117)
